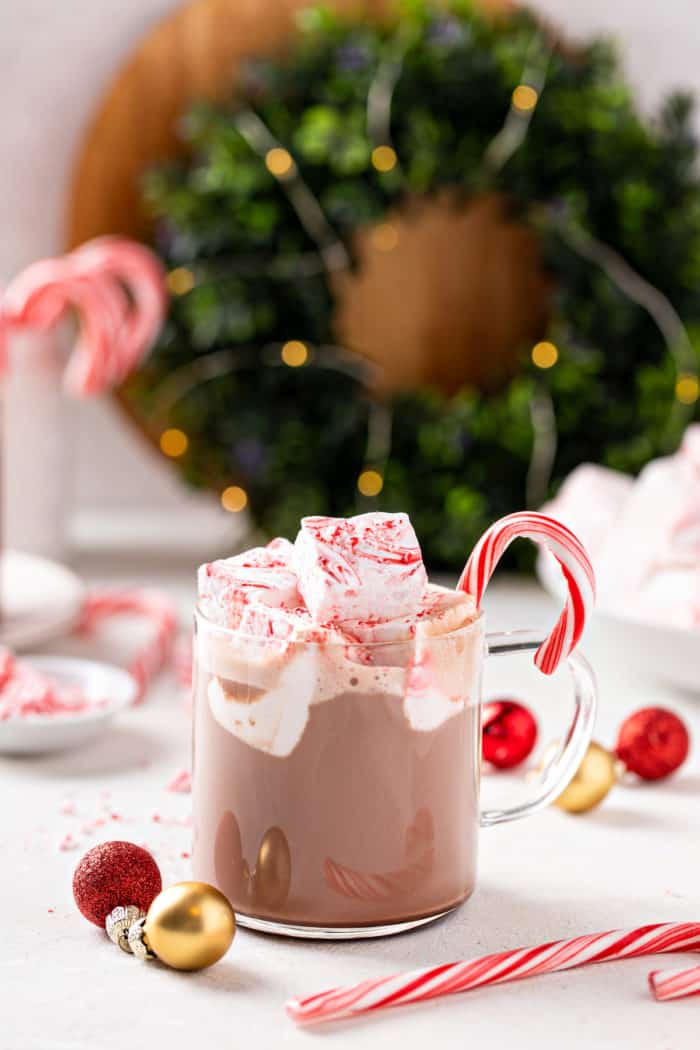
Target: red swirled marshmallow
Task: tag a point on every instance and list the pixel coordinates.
(261, 576)
(349, 568)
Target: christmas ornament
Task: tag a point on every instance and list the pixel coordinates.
(437, 981)
(653, 743)
(190, 926)
(115, 874)
(591, 782)
(509, 733)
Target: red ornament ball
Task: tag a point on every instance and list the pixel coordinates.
(115, 873)
(652, 743)
(508, 733)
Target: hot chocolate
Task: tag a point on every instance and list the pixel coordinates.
(336, 758)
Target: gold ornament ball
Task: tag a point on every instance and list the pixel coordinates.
(591, 782)
(190, 925)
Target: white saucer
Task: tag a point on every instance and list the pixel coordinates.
(40, 600)
(42, 733)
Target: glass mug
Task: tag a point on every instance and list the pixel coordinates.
(335, 794)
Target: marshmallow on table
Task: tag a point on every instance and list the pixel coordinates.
(643, 535)
(364, 568)
(649, 568)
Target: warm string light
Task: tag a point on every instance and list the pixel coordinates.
(524, 98)
(180, 281)
(385, 237)
(234, 499)
(279, 162)
(384, 158)
(370, 483)
(544, 354)
(173, 442)
(294, 353)
(687, 389)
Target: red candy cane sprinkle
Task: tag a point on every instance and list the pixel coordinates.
(573, 561)
(448, 979)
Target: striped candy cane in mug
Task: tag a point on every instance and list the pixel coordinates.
(573, 561)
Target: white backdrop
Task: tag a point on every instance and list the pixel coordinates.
(54, 60)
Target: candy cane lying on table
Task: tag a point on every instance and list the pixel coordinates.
(432, 982)
(103, 605)
(675, 984)
(573, 561)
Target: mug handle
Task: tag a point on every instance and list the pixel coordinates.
(563, 763)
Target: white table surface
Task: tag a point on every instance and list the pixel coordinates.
(64, 986)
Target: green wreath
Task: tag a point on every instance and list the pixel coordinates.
(253, 225)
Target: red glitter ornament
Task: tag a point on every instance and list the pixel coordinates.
(115, 873)
(508, 733)
(652, 743)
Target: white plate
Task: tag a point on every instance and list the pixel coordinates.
(669, 654)
(42, 733)
(40, 600)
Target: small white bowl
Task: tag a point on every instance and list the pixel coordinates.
(37, 734)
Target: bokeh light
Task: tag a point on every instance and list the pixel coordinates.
(180, 281)
(173, 442)
(279, 162)
(234, 499)
(385, 236)
(688, 389)
(524, 98)
(384, 158)
(544, 354)
(370, 483)
(294, 353)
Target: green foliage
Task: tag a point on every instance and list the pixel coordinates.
(296, 438)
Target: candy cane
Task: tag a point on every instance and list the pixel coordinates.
(102, 605)
(142, 274)
(575, 565)
(675, 984)
(117, 288)
(432, 982)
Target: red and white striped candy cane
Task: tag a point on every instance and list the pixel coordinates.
(117, 288)
(450, 978)
(675, 984)
(574, 563)
(103, 605)
(141, 273)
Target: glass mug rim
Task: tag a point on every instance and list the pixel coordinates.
(410, 639)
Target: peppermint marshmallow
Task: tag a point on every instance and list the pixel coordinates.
(364, 568)
(259, 577)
